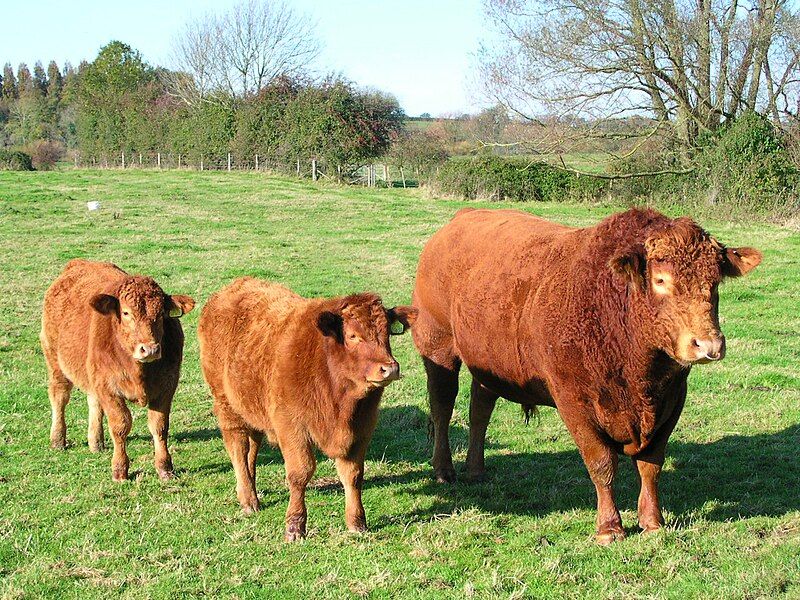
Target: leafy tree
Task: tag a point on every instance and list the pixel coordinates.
(54, 81)
(10, 89)
(39, 79)
(24, 80)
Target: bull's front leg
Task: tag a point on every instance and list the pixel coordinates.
(158, 424)
(601, 462)
(119, 424)
(650, 518)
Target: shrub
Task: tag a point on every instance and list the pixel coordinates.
(749, 165)
(45, 154)
(11, 160)
(497, 178)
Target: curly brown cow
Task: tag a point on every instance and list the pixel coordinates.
(603, 323)
(305, 372)
(118, 338)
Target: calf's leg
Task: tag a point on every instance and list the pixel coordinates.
(96, 438)
(442, 392)
(481, 405)
(158, 424)
(58, 389)
(237, 443)
(351, 473)
(300, 464)
(119, 423)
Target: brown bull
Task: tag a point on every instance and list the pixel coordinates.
(603, 323)
(305, 373)
(118, 338)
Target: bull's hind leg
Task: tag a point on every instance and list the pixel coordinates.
(481, 405)
(58, 390)
(95, 435)
(256, 437)
(442, 392)
(237, 443)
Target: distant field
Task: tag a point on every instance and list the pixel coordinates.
(730, 488)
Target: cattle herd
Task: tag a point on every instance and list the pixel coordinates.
(603, 323)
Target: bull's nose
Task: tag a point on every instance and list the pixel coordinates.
(147, 352)
(708, 349)
(390, 371)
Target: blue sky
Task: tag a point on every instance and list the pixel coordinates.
(421, 51)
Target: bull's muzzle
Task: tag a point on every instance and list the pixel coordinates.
(708, 349)
(386, 373)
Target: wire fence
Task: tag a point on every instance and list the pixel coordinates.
(369, 175)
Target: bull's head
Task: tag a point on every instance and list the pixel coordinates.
(357, 331)
(139, 307)
(678, 270)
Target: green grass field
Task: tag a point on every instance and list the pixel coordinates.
(730, 489)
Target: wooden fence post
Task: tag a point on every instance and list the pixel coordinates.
(158, 159)
(179, 161)
(123, 160)
(256, 162)
(229, 161)
(313, 169)
(201, 162)
(298, 167)
(403, 177)
(140, 159)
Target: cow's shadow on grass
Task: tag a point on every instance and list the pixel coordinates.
(735, 476)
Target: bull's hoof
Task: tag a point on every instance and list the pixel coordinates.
(650, 527)
(119, 475)
(446, 475)
(248, 508)
(606, 538)
(96, 447)
(58, 444)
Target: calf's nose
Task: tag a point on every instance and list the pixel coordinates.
(712, 348)
(390, 371)
(147, 352)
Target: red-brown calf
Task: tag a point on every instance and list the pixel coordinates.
(303, 372)
(118, 338)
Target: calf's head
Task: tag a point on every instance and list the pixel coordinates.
(677, 272)
(139, 306)
(356, 331)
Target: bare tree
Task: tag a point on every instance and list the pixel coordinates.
(241, 51)
(688, 64)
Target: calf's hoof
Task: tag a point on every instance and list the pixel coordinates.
(606, 538)
(650, 526)
(96, 446)
(476, 476)
(166, 474)
(295, 530)
(119, 475)
(248, 508)
(358, 526)
(445, 475)
(60, 444)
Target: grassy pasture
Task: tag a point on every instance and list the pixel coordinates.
(730, 489)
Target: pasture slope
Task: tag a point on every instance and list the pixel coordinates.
(730, 490)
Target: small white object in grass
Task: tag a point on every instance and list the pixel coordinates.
(93, 205)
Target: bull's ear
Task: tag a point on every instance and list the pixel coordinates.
(178, 305)
(630, 267)
(105, 304)
(401, 319)
(331, 325)
(740, 261)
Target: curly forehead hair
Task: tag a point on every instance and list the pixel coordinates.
(687, 246)
(142, 293)
(366, 309)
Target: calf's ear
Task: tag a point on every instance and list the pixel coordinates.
(104, 304)
(630, 267)
(401, 319)
(740, 261)
(331, 325)
(178, 305)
